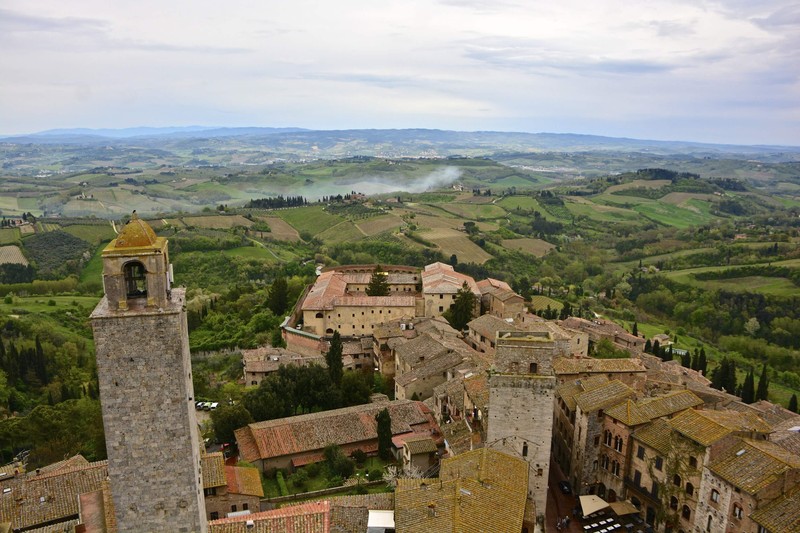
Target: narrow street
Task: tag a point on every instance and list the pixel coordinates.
(560, 505)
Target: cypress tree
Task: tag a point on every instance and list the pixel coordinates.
(657, 348)
(378, 283)
(333, 358)
(686, 360)
(702, 363)
(763, 385)
(278, 299)
(384, 429)
(695, 357)
(749, 388)
(648, 346)
(635, 330)
(793, 403)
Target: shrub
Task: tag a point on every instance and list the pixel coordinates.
(359, 456)
(313, 469)
(376, 474)
(299, 479)
(335, 481)
(282, 483)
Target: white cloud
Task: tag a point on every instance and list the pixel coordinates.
(665, 69)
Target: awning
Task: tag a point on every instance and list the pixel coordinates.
(590, 504)
(623, 508)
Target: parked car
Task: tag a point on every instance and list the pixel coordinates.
(213, 406)
(564, 486)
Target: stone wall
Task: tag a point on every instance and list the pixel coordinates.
(151, 433)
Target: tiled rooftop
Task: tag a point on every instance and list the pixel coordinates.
(430, 367)
(569, 391)
(489, 325)
(50, 496)
(707, 427)
(213, 465)
(669, 404)
(304, 518)
(628, 413)
(604, 396)
(244, 480)
(657, 435)
(584, 365)
(753, 465)
(420, 444)
(472, 488)
(423, 346)
(311, 432)
(440, 278)
(781, 515)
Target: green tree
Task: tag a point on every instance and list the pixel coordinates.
(356, 388)
(378, 283)
(463, 309)
(702, 362)
(228, 418)
(278, 299)
(749, 388)
(763, 385)
(384, 429)
(793, 403)
(635, 330)
(333, 358)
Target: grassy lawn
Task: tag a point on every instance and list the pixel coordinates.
(311, 219)
(9, 235)
(92, 233)
(536, 247)
(473, 212)
(345, 231)
(251, 252)
(40, 304)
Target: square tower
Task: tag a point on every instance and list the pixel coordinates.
(520, 419)
(144, 371)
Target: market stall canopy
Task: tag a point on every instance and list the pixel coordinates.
(590, 504)
(624, 507)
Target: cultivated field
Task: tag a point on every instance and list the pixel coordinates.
(280, 229)
(12, 255)
(344, 231)
(376, 225)
(92, 233)
(474, 212)
(639, 184)
(218, 222)
(9, 235)
(536, 247)
(455, 242)
(311, 219)
(541, 302)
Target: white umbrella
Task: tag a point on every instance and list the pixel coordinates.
(590, 504)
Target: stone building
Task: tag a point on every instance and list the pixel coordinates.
(145, 376)
(498, 299)
(229, 489)
(520, 418)
(260, 362)
(440, 285)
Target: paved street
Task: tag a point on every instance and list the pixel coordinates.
(560, 504)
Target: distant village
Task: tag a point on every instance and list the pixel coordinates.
(508, 425)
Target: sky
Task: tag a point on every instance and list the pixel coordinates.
(724, 72)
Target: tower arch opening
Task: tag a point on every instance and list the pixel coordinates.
(135, 275)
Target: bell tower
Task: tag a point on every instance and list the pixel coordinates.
(144, 370)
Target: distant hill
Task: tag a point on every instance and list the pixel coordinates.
(392, 142)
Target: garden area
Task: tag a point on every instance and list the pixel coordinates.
(336, 470)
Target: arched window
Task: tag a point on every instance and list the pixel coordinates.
(673, 503)
(135, 279)
(686, 512)
(676, 480)
(318, 315)
(689, 489)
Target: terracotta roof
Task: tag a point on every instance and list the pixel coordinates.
(773, 414)
(425, 346)
(628, 413)
(493, 283)
(753, 465)
(569, 391)
(350, 514)
(453, 390)
(471, 489)
(422, 444)
(707, 427)
(244, 480)
(75, 461)
(304, 518)
(376, 301)
(61, 527)
(328, 286)
(604, 396)
(51, 496)
(312, 432)
(435, 326)
(781, 515)
(586, 365)
(439, 278)
(657, 435)
(669, 404)
(431, 366)
(501, 294)
(213, 465)
(458, 436)
(477, 388)
(489, 325)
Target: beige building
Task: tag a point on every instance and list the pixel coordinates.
(264, 360)
(440, 285)
(499, 300)
(229, 489)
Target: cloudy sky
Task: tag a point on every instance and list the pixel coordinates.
(724, 71)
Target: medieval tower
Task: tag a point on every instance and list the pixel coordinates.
(521, 390)
(144, 370)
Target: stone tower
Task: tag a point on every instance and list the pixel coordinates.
(520, 419)
(145, 376)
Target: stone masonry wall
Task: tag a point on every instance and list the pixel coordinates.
(149, 418)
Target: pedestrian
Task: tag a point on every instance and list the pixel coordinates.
(566, 521)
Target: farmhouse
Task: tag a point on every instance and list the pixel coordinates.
(300, 440)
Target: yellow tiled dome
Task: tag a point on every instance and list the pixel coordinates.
(136, 233)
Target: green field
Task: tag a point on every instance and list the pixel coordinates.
(9, 235)
(309, 219)
(474, 212)
(758, 284)
(252, 252)
(344, 231)
(600, 213)
(40, 304)
(536, 247)
(541, 302)
(92, 233)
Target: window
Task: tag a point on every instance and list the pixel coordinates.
(762, 529)
(637, 478)
(135, 279)
(640, 452)
(693, 462)
(654, 489)
(607, 438)
(676, 480)
(318, 315)
(615, 468)
(233, 508)
(714, 495)
(659, 463)
(689, 489)
(210, 491)
(524, 449)
(618, 444)
(708, 524)
(597, 440)
(534, 368)
(604, 462)
(245, 507)
(673, 503)
(214, 515)
(737, 511)
(686, 512)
